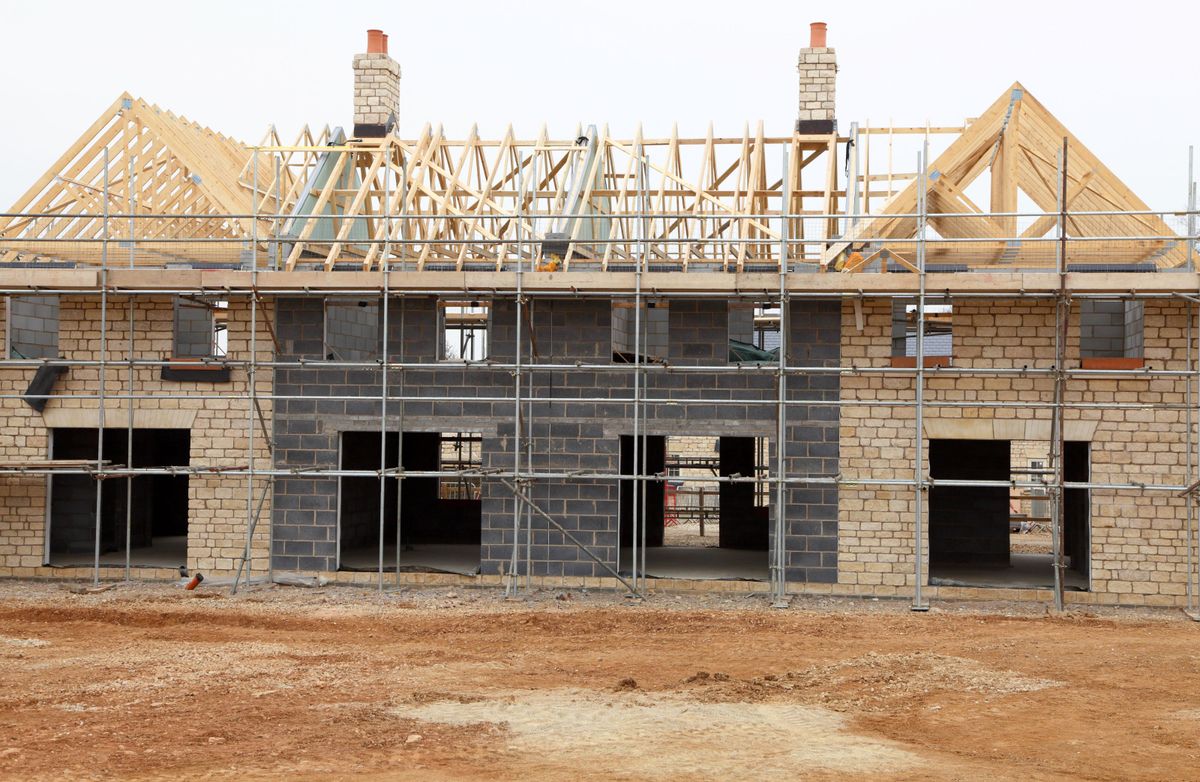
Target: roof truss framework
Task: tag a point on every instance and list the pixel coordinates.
(177, 179)
(592, 202)
(599, 201)
(1016, 142)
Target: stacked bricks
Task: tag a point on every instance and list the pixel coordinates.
(217, 504)
(1022, 455)
(376, 88)
(818, 80)
(1110, 328)
(566, 435)
(652, 323)
(193, 329)
(22, 497)
(33, 327)
(1137, 551)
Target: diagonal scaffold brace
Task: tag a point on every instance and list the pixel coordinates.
(525, 498)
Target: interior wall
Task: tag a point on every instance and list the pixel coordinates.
(353, 330)
(425, 518)
(1077, 507)
(654, 321)
(743, 525)
(33, 326)
(1111, 328)
(159, 502)
(653, 456)
(1101, 328)
(193, 329)
(969, 524)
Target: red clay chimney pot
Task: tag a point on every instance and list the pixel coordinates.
(817, 35)
(385, 39)
(376, 42)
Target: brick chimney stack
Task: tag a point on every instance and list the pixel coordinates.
(376, 88)
(818, 80)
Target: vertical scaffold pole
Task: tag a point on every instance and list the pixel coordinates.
(101, 370)
(251, 515)
(510, 587)
(276, 258)
(1191, 210)
(383, 430)
(251, 376)
(1057, 444)
(385, 265)
(1189, 498)
(275, 223)
(1193, 313)
(1194, 606)
(639, 435)
(919, 603)
(779, 564)
(529, 386)
(131, 179)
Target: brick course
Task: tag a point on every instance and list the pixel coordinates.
(216, 503)
(1137, 539)
(566, 435)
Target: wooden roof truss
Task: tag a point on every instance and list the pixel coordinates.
(591, 201)
(1016, 145)
(186, 194)
(167, 180)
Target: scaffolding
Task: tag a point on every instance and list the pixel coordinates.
(642, 245)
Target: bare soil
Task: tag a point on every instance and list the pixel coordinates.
(688, 534)
(152, 682)
(1031, 543)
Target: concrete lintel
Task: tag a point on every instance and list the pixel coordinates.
(693, 428)
(114, 417)
(1005, 429)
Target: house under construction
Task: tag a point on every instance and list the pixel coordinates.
(951, 361)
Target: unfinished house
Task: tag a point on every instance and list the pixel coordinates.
(782, 362)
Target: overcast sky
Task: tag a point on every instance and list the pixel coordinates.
(1122, 75)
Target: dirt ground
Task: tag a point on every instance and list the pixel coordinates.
(688, 534)
(152, 682)
(1031, 543)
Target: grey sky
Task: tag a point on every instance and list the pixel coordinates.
(1120, 75)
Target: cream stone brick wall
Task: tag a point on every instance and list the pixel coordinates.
(217, 512)
(1022, 454)
(818, 83)
(376, 88)
(22, 497)
(696, 446)
(1138, 553)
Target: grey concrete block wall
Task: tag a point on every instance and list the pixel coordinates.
(1133, 344)
(652, 323)
(1110, 328)
(1101, 328)
(741, 321)
(579, 431)
(812, 442)
(352, 329)
(33, 326)
(193, 329)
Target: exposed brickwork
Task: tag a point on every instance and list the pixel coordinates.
(1137, 539)
(862, 545)
(376, 89)
(818, 84)
(216, 504)
(566, 435)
